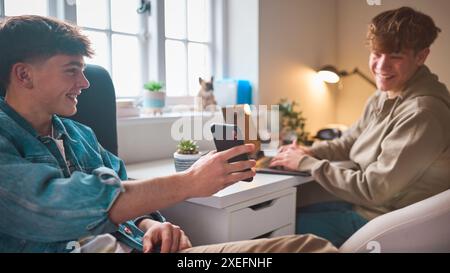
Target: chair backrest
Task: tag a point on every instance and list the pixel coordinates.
(97, 107)
(420, 227)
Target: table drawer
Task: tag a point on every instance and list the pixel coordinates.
(263, 217)
(286, 230)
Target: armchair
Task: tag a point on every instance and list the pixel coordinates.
(420, 227)
(97, 107)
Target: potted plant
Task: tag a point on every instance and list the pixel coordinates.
(154, 97)
(186, 154)
(292, 123)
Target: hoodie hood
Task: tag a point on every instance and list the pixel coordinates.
(424, 83)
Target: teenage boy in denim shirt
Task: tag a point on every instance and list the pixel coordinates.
(58, 185)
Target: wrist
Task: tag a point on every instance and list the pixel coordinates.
(145, 224)
(184, 181)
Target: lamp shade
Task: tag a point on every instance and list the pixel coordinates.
(328, 74)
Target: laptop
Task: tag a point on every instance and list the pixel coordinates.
(262, 166)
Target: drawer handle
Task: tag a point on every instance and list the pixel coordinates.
(262, 205)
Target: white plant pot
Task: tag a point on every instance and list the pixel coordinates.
(183, 162)
(154, 100)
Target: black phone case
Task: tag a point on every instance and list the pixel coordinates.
(227, 136)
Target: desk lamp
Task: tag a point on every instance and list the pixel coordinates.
(330, 74)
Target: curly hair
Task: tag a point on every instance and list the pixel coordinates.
(399, 29)
(29, 38)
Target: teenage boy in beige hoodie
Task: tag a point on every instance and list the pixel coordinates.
(400, 145)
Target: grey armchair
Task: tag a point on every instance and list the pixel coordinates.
(97, 107)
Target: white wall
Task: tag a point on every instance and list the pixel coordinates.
(353, 17)
(295, 38)
(151, 138)
(242, 42)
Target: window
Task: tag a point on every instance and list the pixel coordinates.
(19, 7)
(118, 38)
(173, 43)
(188, 45)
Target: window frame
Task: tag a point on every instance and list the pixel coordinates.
(216, 52)
(2, 9)
(144, 44)
(153, 49)
(186, 42)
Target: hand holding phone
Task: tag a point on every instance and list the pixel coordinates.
(227, 136)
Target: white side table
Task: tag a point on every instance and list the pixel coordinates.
(245, 210)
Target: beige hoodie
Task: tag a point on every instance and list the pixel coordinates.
(401, 148)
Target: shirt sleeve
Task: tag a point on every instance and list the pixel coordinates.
(406, 153)
(117, 164)
(38, 203)
(113, 162)
(157, 216)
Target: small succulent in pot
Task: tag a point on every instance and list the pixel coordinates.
(187, 153)
(154, 97)
(187, 147)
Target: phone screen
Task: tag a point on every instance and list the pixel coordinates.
(227, 136)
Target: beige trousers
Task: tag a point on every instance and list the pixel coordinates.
(284, 244)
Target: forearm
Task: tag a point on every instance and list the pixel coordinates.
(356, 186)
(335, 150)
(145, 196)
(397, 167)
(205, 177)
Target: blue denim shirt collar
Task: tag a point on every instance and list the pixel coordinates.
(60, 130)
(17, 117)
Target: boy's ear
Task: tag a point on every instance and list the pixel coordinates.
(422, 56)
(22, 74)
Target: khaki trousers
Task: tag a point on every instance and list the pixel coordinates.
(307, 243)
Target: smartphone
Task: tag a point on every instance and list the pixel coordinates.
(227, 136)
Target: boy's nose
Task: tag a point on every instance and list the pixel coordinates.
(84, 83)
(383, 63)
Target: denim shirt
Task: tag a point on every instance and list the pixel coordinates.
(45, 201)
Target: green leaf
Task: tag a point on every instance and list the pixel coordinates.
(187, 147)
(154, 86)
(292, 120)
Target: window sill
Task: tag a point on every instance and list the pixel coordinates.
(164, 117)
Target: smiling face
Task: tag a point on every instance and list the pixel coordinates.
(399, 41)
(392, 70)
(57, 82)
